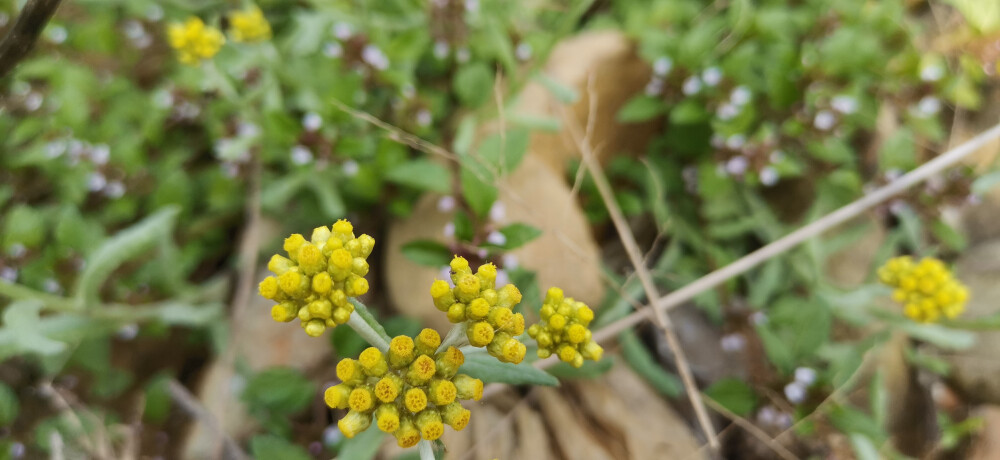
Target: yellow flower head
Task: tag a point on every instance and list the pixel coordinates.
(485, 310)
(563, 330)
(194, 41)
(926, 289)
(249, 25)
(315, 281)
(410, 391)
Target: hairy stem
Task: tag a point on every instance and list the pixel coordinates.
(426, 450)
(456, 338)
(366, 332)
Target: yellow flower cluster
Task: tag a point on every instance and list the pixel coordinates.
(315, 280)
(411, 391)
(194, 41)
(485, 310)
(563, 330)
(926, 289)
(249, 25)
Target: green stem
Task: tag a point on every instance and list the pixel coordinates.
(426, 450)
(52, 302)
(456, 338)
(367, 332)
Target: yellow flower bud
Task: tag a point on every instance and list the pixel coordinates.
(429, 424)
(340, 262)
(421, 370)
(342, 314)
(592, 351)
(456, 313)
(269, 288)
(427, 342)
(490, 296)
(293, 284)
(415, 400)
(441, 392)
(315, 327)
(401, 351)
(455, 416)
(467, 287)
(373, 362)
(576, 333)
(366, 244)
(344, 228)
(292, 245)
(354, 423)
(311, 260)
(350, 372)
(250, 25)
(407, 435)
(567, 353)
(359, 266)
(284, 312)
(279, 265)
(468, 387)
(584, 315)
(322, 309)
(388, 417)
(477, 309)
(480, 334)
(515, 326)
(554, 296)
(557, 322)
(442, 295)
(387, 389)
(487, 274)
(499, 317)
(460, 265)
(362, 399)
(336, 397)
(356, 286)
(509, 296)
(449, 361)
(320, 235)
(322, 283)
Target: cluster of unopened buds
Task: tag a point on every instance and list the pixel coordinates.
(564, 330)
(314, 282)
(196, 41)
(926, 289)
(486, 312)
(411, 391)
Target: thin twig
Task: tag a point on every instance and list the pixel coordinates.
(22, 37)
(779, 449)
(844, 214)
(190, 404)
(635, 256)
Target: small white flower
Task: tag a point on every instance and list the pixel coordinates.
(844, 104)
(503, 278)
(795, 392)
(342, 30)
(188, 110)
(424, 117)
(496, 238)
(408, 91)
(127, 332)
(740, 95)
(100, 154)
(247, 129)
(8, 274)
(769, 176)
(737, 165)
(375, 57)
(498, 211)
(931, 73)
(446, 203)
(33, 101)
(736, 141)
(662, 66)
(805, 376)
(449, 230)
(96, 182)
(759, 318)
(523, 51)
(929, 106)
(17, 449)
(712, 76)
(462, 55)
(332, 435)
(57, 34)
(133, 29)
(824, 120)
(898, 207)
(510, 261)
(732, 343)
(51, 286)
(17, 250)
(654, 87)
(55, 149)
(350, 168)
(114, 189)
(163, 99)
(441, 49)
(727, 111)
(768, 415)
(717, 140)
(691, 86)
(301, 155)
(333, 50)
(472, 6)
(312, 121)
(445, 273)
(482, 253)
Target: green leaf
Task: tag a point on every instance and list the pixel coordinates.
(561, 92)
(369, 318)
(328, 196)
(474, 84)
(642, 362)
(22, 320)
(734, 395)
(504, 152)
(688, 112)
(24, 225)
(427, 252)
(641, 108)
(864, 447)
(588, 370)
(985, 183)
(479, 194)
(945, 233)
(125, 245)
(422, 174)
(279, 390)
(950, 339)
(8, 405)
(271, 447)
(364, 446)
(526, 282)
(983, 15)
(517, 235)
(481, 365)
